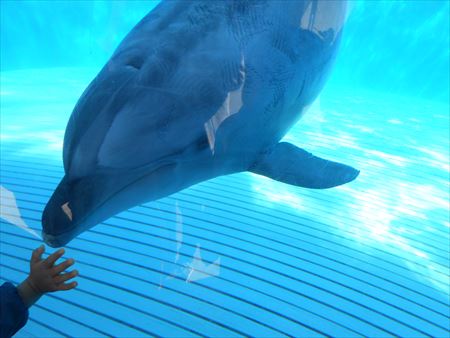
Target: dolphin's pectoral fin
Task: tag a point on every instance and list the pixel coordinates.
(289, 164)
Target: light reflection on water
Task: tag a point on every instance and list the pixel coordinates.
(399, 202)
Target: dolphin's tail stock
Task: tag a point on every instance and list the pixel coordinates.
(289, 164)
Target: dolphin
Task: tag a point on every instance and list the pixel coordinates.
(196, 90)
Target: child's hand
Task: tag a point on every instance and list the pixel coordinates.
(47, 277)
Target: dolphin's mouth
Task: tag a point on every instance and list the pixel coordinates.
(56, 241)
(78, 205)
(63, 238)
(72, 206)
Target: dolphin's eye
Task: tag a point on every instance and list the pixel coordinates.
(65, 207)
(136, 61)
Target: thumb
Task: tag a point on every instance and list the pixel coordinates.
(37, 253)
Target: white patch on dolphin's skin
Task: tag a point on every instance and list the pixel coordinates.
(65, 207)
(10, 212)
(231, 105)
(323, 20)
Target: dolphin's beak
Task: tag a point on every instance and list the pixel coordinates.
(69, 210)
(81, 203)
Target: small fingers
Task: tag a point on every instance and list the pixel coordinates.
(62, 266)
(37, 253)
(67, 286)
(54, 257)
(65, 277)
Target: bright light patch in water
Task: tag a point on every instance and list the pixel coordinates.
(38, 142)
(395, 121)
(392, 159)
(435, 158)
(380, 221)
(274, 191)
(10, 212)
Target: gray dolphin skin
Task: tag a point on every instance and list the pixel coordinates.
(198, 89)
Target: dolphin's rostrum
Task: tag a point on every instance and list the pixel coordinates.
(196, 90)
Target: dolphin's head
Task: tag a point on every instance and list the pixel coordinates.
(78, 204)
(81, 203)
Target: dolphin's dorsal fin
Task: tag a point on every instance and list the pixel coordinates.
(289, 164)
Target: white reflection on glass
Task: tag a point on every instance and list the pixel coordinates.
(10, 212)
(193, 269)
(179, 230)
(197, 269)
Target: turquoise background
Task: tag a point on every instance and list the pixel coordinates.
(394, 46)
(369, 258)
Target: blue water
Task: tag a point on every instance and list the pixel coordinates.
(243, 255)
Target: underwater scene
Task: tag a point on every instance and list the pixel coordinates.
(224, 168)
